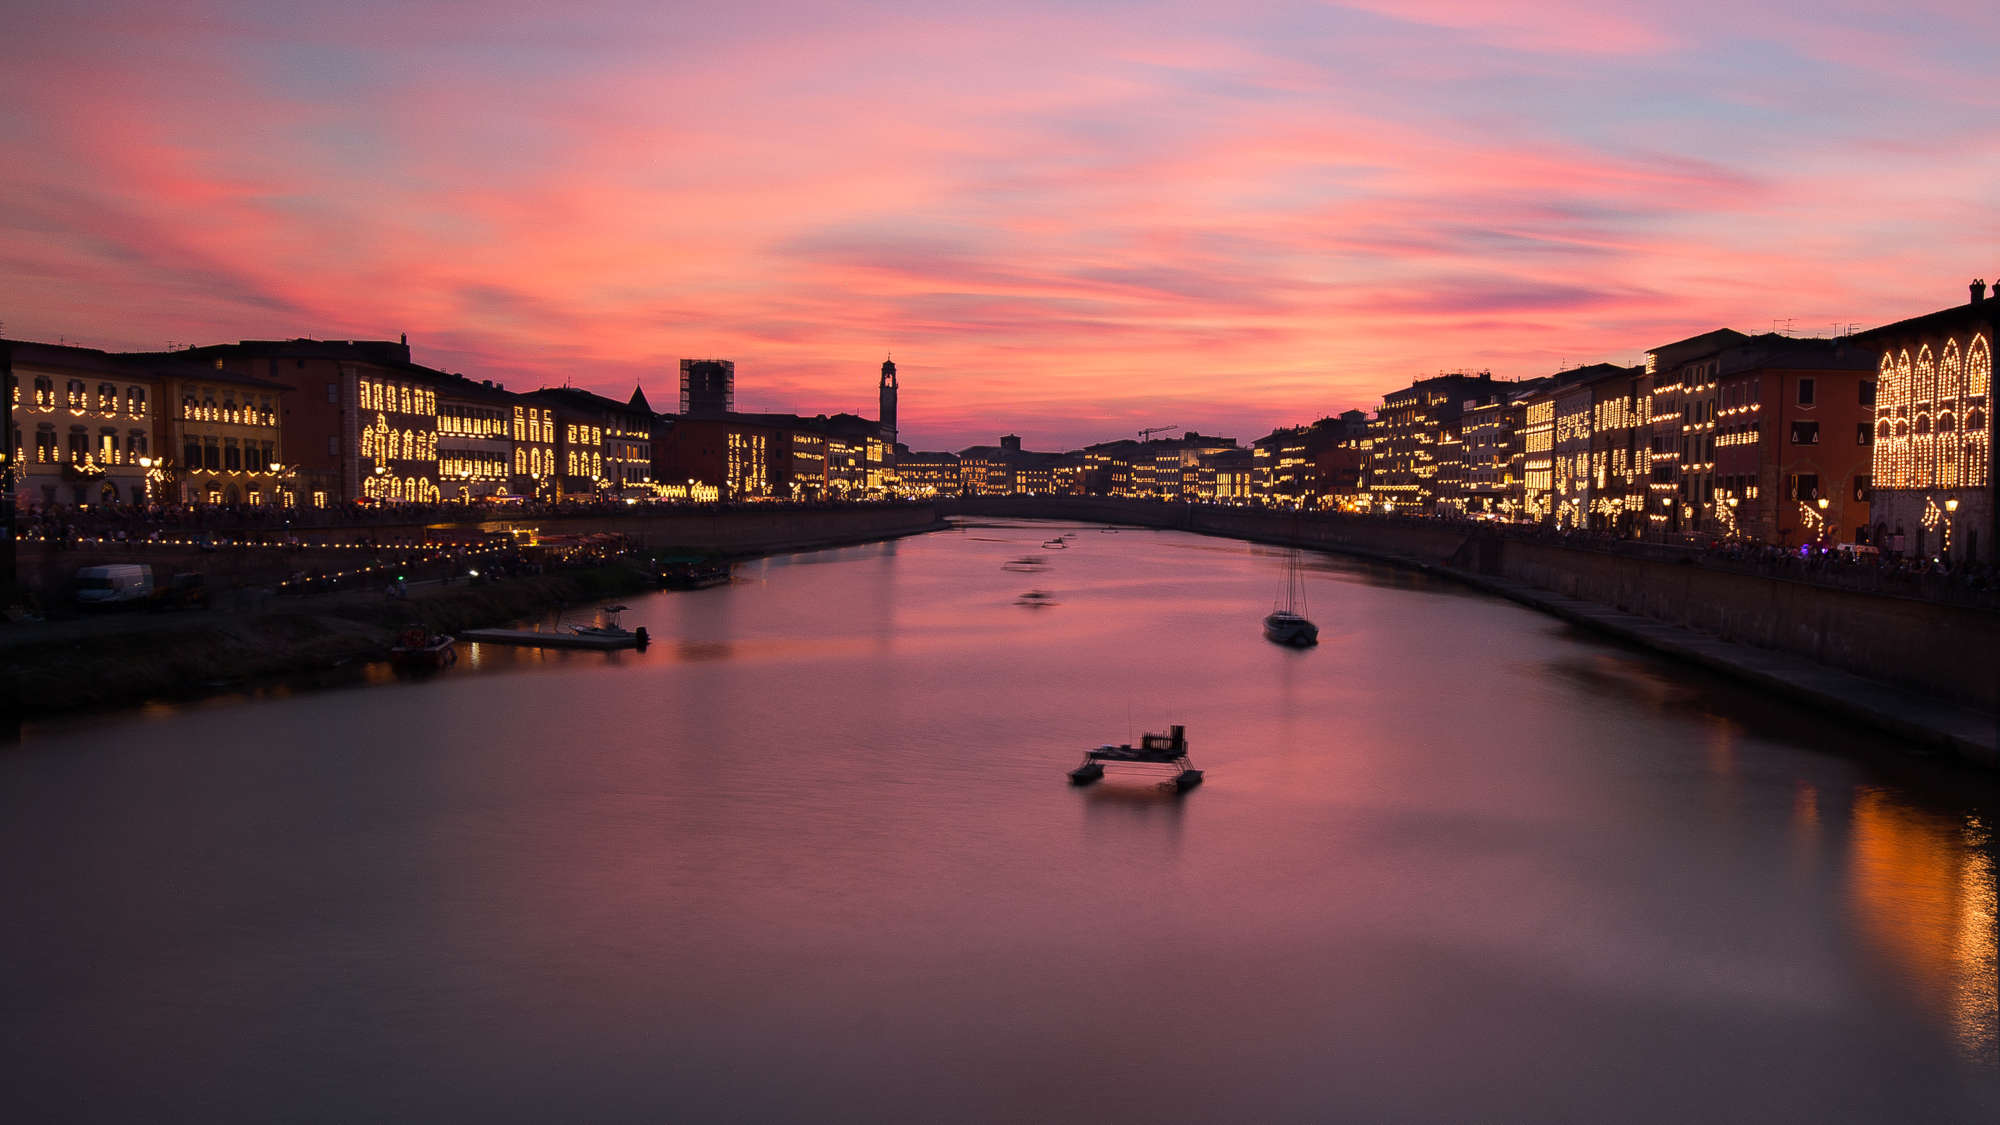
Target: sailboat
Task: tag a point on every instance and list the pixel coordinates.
(1287, 624)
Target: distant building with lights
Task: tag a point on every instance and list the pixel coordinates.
(1403, 467)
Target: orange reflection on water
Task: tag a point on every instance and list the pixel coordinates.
(1924, 892)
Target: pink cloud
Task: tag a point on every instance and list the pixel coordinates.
(1058, 218)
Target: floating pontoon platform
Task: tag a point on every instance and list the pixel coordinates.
(534, 639)
(1156, 751)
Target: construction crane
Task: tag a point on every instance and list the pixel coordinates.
(1147, 434)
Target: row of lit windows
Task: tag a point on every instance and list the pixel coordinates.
(77, 397)
(477, 464)
(532, 424)
(535, 460)
(248, 414)
(413, 490)
(81, 449)
(579, 464)
(383, 442)
(399, 398)
(471, 421)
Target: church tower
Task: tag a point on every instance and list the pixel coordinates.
(888, 423)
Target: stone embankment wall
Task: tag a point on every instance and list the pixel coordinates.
(1942, 650)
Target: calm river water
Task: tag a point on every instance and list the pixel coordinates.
(812, 857)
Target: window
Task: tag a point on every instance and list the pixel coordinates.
(1867, 392)
(1864, 487)
(332, 392)
(135, 400)
(45, 392)
(1864, 434)
(79, 443)
(1805, 486)
(191, 454)
(1805, 433)
(1805, 392)
(211, 455)
(333, 447)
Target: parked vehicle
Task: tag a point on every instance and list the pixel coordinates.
(115, 584)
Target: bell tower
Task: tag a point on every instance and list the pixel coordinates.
(888, 416)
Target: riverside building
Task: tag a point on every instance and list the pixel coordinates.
(1933, 453)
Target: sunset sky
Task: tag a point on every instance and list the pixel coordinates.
(1068, 220)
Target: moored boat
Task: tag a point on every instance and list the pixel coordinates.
(1287, 624)
(418, 649)
(1290, 629)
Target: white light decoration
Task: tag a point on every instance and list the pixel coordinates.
(1933, 417)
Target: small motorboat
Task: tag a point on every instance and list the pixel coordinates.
(1055, 544)
(607, 627)
(1028, 564)
(1037, 599)
(418, 649)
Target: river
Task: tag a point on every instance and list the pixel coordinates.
(812, 857)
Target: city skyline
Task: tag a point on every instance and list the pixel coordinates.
(1076, 222)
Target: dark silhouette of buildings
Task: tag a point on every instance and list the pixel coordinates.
(708, 387)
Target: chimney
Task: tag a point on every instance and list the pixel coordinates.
(1011, 443)
(1978, 288)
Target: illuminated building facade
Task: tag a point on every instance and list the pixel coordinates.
(1230, 477)
(1572, 455)
(1933, 453)
(534, 468)
(359, 419)
(1008, 470)
(733, 456)
(1280, 468)
(1793, 427)
(83, 419)
(475, 439)
(926, 475)
(1403, 468)
(221, 440)
(1490, 436)
(1681, 417)
(604, 448)
(1620, 468)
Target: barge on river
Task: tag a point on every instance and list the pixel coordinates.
(1155, 751)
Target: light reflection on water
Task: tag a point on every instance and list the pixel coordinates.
(812, 856)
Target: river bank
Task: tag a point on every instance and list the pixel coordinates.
(88, 665)
(191, 654)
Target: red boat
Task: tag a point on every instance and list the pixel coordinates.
(419, 649)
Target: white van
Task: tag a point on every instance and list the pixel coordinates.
(114, 585)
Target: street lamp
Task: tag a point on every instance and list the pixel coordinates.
(1951, 505)
(1822, 502)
